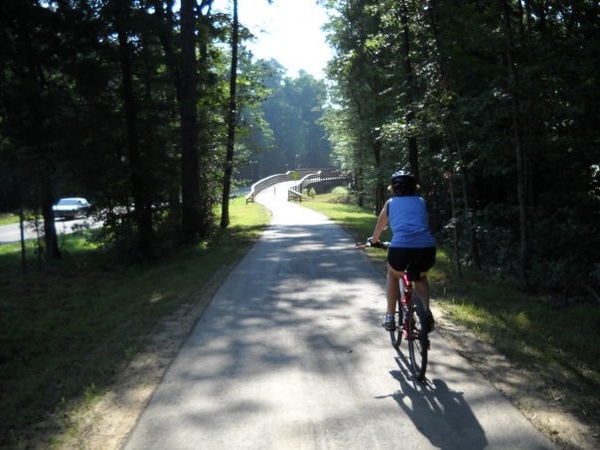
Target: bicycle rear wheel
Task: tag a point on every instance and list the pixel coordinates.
(396, 333)
(418, 339)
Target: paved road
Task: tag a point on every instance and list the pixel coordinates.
(12, 233)
(291, 355)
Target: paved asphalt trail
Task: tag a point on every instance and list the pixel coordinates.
(291, 355)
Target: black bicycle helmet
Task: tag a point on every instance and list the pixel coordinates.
(404, 182)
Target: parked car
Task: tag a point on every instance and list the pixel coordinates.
(71, 207)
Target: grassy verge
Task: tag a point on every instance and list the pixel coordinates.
(7, 219)
(559, 344)
(65, 334)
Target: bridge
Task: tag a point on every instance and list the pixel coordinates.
(306, 179)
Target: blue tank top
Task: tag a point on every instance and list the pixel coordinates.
(407, 218)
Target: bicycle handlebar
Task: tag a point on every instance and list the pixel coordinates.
(383, 245)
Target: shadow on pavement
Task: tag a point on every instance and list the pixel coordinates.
(439, 413)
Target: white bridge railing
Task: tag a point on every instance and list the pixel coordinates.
(320, 178)
(306, 178)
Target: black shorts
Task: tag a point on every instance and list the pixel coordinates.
(421, 259)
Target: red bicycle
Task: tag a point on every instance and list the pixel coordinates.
(410, 320)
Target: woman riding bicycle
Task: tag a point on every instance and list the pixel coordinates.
(412, 242)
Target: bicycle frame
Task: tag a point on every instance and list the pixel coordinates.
(411, 323)
(411, 313)
(405, 302)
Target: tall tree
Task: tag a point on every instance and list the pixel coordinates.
(523, 164)
(191, 219)
(231, 119)
(142, 205)
(362, 70)
(413, 149)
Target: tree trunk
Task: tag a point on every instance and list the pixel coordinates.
(380, 187)
(35, 110)
(521, 156)
(164, 13)
(413, 149)
(191, 217)
(359, 186)
(142, 211)
(231, 119)
(165, 17)
(455, 239)
(468, 214)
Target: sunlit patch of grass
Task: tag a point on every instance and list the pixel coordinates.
(91, 393)
(522, 322)
(338, 195)
(7, 218)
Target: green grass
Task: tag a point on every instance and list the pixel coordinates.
(66, 333)
(559, 344)
(358, 221)
(7, 219)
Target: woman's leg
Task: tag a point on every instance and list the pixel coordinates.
(392, 289)
(423, 291)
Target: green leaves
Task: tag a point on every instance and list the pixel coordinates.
(500, 93)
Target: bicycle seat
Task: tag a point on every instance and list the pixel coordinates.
(413, 275)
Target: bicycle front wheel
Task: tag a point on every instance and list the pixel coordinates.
(418, 339)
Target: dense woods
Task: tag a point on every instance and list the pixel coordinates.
(150, 110)
(494, 105)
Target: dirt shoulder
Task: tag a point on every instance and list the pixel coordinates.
(107, 424)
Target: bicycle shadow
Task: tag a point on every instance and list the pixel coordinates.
(439, 413)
